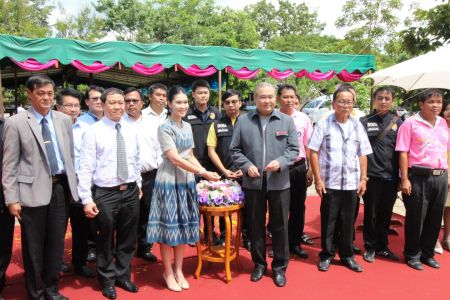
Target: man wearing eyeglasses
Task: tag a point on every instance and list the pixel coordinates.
(146, 124)
(338, 148)
(68, 102)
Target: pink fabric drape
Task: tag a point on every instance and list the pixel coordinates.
(346, 76)
(194, 70)
(33, 65)
(153, 70)
(318, 76)
(276, 74)
(243, 73)
(96, 67)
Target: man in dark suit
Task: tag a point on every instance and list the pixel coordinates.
(6, 226)
(39, 181)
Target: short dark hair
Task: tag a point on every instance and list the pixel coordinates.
(93, 88)
(173, 91)
(68, 92)
(110, 91)
(381, 89)
(133, 89)
(200, 83)
(344, 88)
(156, 86)
(298, 97)
(430, 93)
(229, 93)
(36, 81)
(285, 86)
(347, 85)
(444, 106)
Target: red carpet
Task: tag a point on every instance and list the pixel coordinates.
(380, 280)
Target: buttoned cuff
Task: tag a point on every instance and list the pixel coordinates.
(87, 201)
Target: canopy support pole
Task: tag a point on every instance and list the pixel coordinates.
(220, 89)
(16, 94)
(2, 106)
(91, 79)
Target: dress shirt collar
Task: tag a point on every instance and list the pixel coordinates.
(131, 120)
(110, 123)
(150, 111)
(274, 114)
(39, 117)
(93, 116)
(422, 120)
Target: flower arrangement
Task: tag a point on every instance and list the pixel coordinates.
(220, 193)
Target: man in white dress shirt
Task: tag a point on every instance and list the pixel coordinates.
(147, 127)
(110, 160)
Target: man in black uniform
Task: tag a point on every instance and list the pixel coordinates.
(201, 115)
(383, 172)
(6, 225)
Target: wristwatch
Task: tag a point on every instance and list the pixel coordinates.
(364, 178)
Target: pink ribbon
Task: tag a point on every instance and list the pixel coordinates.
(349, 77)
(276, 74)
(96, 67)
(153, 70)
(33, 65)
(194, 70)
(243, 73)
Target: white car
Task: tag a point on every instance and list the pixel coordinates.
(317, 108)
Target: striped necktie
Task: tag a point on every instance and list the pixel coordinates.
(49, 148)
(122, 167)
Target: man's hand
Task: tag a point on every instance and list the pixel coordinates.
(211, 176)
(406, 187)
(140, 193)
(90, 210)
(15, 209)
(229, 174)
(362, 187)
(320, 188)
(273, 166)
(253, 171)
(309, 177)
(238, 174)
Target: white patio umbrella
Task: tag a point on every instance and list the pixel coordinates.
(431, 70)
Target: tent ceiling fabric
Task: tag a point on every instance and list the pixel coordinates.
(168, 55)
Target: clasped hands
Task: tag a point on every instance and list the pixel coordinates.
(272, 166)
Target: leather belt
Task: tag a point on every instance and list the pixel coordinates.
(298, 163)
(122, 187)
(58, 178)
(438, 172)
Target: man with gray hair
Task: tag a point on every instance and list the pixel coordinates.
(264, 145)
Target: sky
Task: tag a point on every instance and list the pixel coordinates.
(328, 10)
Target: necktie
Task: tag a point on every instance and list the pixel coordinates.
(49, 147)
(122, 167)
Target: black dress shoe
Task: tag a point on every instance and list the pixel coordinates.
(356, 250)
(258, 273)
(415, 264)
(127, 285)
(369, 256)
(297, 250)
(352, 264)
(65, 268)
(279, 279)
(91, 256)
(84, 271)
(305, 239)
(388, 254)
(147, 255)
(431, 262)
(324, 264)
(109, 292)
(55, 296)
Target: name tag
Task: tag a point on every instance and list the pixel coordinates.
(221, 125)
(281, 133)
(219, 130)
(191, 117)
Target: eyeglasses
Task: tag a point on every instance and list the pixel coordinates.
(134, 101)
(344, 103)
(228, 102)
(71, 106)
(94, 98)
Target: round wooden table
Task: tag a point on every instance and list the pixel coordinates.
(218, 253)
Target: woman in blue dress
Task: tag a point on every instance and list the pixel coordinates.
(174, 213)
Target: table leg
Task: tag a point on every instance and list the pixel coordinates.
(200, 262)
(227, 246)
(238, 237)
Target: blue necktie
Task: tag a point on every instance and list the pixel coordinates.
(49, 148)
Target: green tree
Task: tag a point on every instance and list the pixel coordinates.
(86, 25)
(428, 30)
(287, 19)
(25, 17)
(371, 23)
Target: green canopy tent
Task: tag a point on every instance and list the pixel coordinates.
(139, 64)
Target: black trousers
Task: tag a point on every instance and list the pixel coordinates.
(424, 210)
(256, 203)
(80, 232)
(148, 181)
(296, 224)
(117, 219)
(6, 242)
(379, 201)
(337, 210)
(43, 230)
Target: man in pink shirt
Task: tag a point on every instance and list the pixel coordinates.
(300, 176)
(423, 144)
